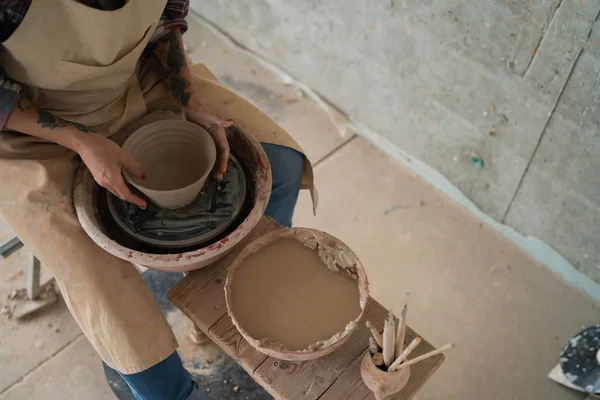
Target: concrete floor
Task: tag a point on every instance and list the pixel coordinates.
(508, 315)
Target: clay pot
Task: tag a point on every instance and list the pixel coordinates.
(248, 151)
(303, 235)
(177, 157)
(383, 384)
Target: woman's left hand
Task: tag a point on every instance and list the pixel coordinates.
(215, 125)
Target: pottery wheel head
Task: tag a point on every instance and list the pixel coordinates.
(209, 215)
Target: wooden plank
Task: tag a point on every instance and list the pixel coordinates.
(227, 337)
(310, 379)
(350, 385)
(200, 294)
(201, 299)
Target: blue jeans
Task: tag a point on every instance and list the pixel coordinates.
(287, 166)
(168, 380)
(165, 380)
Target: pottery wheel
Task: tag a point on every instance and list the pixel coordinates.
(211, 213)
(580, 360)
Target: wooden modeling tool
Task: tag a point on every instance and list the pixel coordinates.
(401, 331)
(373, 347)
(425, 356)
(378, 359)
(381, 373)
(413, 345)
(375, 334)
(389, 339)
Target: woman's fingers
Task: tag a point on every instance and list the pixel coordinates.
(121, 190)
(126, 195)
(220, 138)
(210, 118)
(131, 165)
(121, 187)
(215, 125)
(115, 183)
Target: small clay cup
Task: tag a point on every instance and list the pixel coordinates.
(177, 157)
(383, 384)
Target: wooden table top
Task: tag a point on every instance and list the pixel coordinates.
(201, 297)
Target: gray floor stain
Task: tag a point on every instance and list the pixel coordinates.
(268, 101)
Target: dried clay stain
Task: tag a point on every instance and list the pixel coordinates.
(285, 293)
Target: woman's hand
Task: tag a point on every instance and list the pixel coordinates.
(215, 125)
(105, 159)
(172, 63)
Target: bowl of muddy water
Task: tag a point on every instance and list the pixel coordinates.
(176, 156)
(296, 294)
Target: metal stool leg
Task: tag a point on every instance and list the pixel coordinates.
(10, 247)
(37, 296)
(33, 280)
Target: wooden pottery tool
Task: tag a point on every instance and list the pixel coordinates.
(401, 331)
(389, 339)
(373, 347)
(375, 333)
(404, 355)
(378, 359)
(385, 368)
(424, 356)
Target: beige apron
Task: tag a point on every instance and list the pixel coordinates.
(83, 65)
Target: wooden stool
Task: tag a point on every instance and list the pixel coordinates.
(200, 295)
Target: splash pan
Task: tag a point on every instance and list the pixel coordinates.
(149, 250)
(209, 215)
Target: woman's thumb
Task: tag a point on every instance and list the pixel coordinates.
(132, 166)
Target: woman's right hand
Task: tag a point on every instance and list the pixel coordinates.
(105, 159)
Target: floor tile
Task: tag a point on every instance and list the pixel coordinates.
(305, 121)
(26, 344)
(75, 373)
(508, 315)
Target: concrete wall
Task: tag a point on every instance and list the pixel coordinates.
(515, 83)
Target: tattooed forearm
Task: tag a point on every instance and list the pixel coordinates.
(178, 87)
(171, 60)
(24, 104)
(47, 120)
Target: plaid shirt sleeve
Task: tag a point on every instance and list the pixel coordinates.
(11, 14)
(9, 91)
(173, 17)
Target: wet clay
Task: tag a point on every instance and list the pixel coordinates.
(173, 169)
(286, 294)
